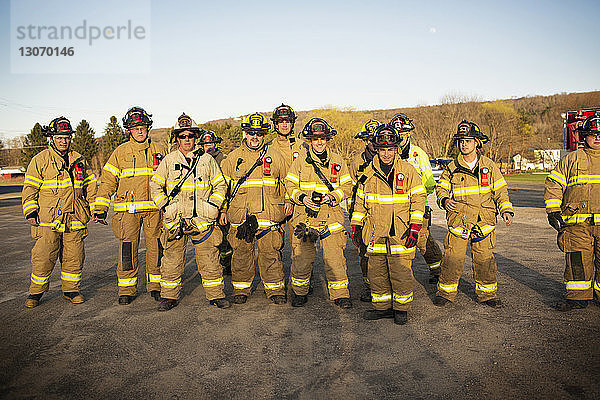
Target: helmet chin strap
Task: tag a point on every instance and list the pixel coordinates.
(62, 153)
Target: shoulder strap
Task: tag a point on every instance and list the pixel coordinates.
(241, 181)
(312, 162)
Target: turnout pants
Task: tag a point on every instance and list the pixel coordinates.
(207, 261)
(392, 282)
(270, 266)
(303, 256)
(453, 264)
(429, 249)
(51, 246)
(581, 245)
(126, 227)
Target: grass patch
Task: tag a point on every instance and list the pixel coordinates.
(529, 177)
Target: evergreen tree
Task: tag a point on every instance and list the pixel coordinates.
(114, 135)
(84, 142)
(34, 142)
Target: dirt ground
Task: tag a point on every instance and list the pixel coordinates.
(259, 350)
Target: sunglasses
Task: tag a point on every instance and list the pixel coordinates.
(183, 137)
(255, 133)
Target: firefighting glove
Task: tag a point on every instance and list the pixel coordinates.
(411, 235)
(312, 212)
(312, 235)
(555, 220)
(247, 230)
(101, 217)
(357, 235)
(300, 231)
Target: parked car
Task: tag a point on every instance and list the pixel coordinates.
(438, 165)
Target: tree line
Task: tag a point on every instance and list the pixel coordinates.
(513, 126)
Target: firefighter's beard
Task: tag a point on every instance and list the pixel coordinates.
(254, 141)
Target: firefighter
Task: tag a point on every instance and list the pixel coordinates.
(189, 187)
(317, 183)
(209, 140)
(127, 175)
(473, 192)
(572, 199)
(255, 208)
(286, 141)
(357, 168)
(388, 216)
(57, 192)
(412, 153)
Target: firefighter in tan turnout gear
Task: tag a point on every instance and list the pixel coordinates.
(189, 186)
(127, 175)
(255, 208)
(58, 189)
(357, 168)
(473, 191)
(573, 205)
(412, 153)
(387, 217)
(317, 183)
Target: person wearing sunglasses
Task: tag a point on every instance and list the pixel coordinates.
(58, 189)
(389, 209)
(572, 199)
(255, 207)
(189, 187)
(126, 175)
(317, 183)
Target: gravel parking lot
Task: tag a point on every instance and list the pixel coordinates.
(259, 350)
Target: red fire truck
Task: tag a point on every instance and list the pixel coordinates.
(572, 120)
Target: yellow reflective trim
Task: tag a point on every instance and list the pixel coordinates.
(274, 285)
(159, 179)
(471, 190)
(33, 180)
(507, 205)
(399, 249)
(212, 282)
(488, 288)
(447, 288)
(137, 205)
(416, 190)
(170, 284)
(386, 198)
(112, 169)
(597, 286)
(299, 282)
(403, 298)
(102, 201)
(578, 285)
(380, 298)
(558, 178)
(127, 282)
(292, 178)
(65, 276)
(498, 184)
(241, 285)
(444, 184)
(576, 218)
(153, 278)
(40, 280)
(130, 172)
(345, 178)
(29, 205)
(338, 284)
(553, 203)
(217, 179)
(583, 179)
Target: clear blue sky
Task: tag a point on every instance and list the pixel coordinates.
(227, 58)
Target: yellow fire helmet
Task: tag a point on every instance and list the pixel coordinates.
(368, 129)
(255, 122)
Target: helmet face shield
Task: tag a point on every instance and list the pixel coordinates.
(318, 127)
(385, 136)
(136, 116)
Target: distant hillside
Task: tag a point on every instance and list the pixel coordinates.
(513, 125)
